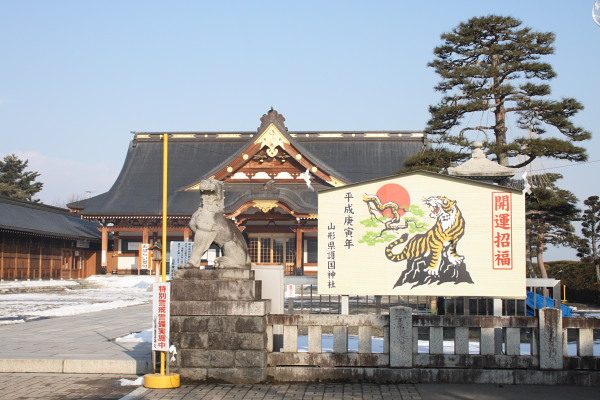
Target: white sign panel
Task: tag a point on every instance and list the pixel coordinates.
(160, 316)
(144, 256)
(180, 253)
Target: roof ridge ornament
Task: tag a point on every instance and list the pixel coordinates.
(272, 117)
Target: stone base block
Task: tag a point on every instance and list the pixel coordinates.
(195, 358)
(433, 375)
(239, 307)
(214, 290)
(238, 375)
(196, 324)
(225, 273)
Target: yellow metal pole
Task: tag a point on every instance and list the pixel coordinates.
(163, 380)
(564, 294)
(165, 204)
(163, 356)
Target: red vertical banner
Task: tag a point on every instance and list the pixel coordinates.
(502, 237)
(160, 316)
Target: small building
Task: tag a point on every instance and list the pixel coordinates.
(44, 242)
(271, 179)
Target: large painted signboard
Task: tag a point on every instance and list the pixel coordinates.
(422, 234)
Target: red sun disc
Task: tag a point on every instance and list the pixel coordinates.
(392, 192)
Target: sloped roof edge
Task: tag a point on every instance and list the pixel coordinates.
(428, 173)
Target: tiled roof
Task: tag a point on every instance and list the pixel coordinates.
(34, 218)
(357, 156)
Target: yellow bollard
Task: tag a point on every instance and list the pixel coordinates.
(564, 300)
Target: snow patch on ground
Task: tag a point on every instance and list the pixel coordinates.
(35, 284)
(128, 382)
(106, 292)
(136, 337)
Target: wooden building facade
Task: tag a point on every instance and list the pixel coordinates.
(271, 179)
(43, 242)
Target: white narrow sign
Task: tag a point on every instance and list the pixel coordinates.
(160, 316)
(144, 256)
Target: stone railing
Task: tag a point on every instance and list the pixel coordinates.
(223, 331)
(429, 348)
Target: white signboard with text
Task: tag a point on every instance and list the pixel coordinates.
(180, 253)
(144, 256)
(160, 316)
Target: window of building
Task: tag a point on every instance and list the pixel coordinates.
(312, 250)
(272, 250)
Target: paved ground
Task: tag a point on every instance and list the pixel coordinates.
(107, 387)
(75, 344)
(62, 386)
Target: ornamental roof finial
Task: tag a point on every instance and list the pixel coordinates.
(272, 116)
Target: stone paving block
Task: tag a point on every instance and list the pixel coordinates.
(188, 340)
(190, 323)
(31, 365)
(239, 324)
(251, 358)
(237, 341)
(238, 375)
(105, 367)
(207, 358)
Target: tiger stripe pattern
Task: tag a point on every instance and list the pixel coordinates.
(441, 239)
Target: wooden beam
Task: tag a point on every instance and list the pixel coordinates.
(299, 251)
(2, 260)
(29, 260)
(40, 263)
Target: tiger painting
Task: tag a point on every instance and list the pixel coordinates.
(432, 255)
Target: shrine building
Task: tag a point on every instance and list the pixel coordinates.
(271, 178)
(38, 241)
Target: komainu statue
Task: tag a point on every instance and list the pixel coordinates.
(211, 226)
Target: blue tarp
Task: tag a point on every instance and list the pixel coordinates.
(535, 301)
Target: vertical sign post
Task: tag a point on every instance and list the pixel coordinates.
(144, 256)
(160, 316)
(162, 296)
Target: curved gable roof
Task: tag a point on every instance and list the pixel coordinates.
(349, 156)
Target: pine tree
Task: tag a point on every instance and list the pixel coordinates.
(589, 246)
(492, 75)
(549, 213)
(17, 183)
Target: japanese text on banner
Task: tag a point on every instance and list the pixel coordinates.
(331, 255)
(502, 230)
(160, 316)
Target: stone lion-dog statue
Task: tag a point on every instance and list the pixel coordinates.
(210, 226)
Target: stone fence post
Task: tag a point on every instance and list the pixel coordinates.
(551, 338)
(401, 338)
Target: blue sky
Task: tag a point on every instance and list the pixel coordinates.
(78, 76)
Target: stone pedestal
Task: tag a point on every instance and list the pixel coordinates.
(218, 325)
